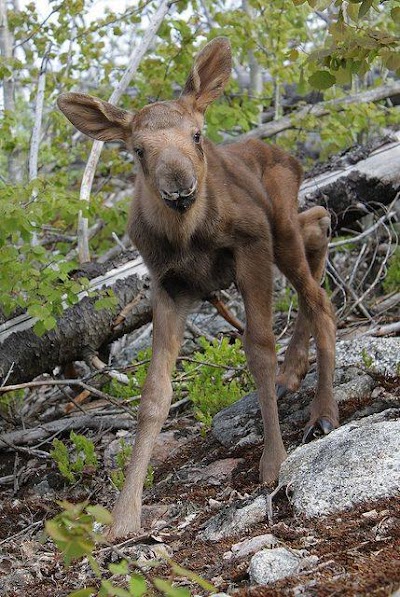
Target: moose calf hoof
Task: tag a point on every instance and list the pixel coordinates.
(319, 428)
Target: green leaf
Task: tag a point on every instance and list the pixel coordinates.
(322, 79)
(101, 514)
(170, 591)
(121, 568)
(113, 590)
(364, 8)
(204, 584)
(55, 531)
(137, 585)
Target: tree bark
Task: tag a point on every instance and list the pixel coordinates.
(356, 183)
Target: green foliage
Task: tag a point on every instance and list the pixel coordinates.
(367, 359)
(287, 299)
(392, 281)
(73, 532)
(80, 458)
(216, 378)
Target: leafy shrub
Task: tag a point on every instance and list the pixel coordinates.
(216, 377)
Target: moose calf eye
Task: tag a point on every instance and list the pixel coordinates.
(197, 137)
(139, 152)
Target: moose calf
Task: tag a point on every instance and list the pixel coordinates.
(202, 217)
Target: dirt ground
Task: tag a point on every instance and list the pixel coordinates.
(358, 552)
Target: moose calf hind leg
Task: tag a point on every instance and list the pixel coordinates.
(315, 226)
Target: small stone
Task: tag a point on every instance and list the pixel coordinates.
(373, 514)
(271, 565)
(234, 520)
(214, 504)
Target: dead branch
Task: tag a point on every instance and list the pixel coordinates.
(271, 129)
(41, 432)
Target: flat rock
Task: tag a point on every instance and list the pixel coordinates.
(235, 519)
(270, 565)
(250, 546)
(215, 473)
(358, 462)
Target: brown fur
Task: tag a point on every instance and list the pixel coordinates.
(242, 216)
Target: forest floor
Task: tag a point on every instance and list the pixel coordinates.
(357, 552)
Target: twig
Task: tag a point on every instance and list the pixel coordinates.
(269, 497)
(122, 315)
(196, 331)
(356, 239)
(98, 364)
(384, 330)
(35, 434)
(68, 382)
(88, 176)
(226, 313)
(7, 375)
(29, 451)
(31, 526)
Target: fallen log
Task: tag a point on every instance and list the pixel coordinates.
(356, 183)
(80, 331)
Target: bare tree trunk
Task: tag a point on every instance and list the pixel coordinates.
(8, 83)
(88, 176)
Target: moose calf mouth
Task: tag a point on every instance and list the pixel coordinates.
(182, 200)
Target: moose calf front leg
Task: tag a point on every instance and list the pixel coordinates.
(168, 324)
(254, 277)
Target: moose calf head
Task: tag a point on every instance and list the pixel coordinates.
(165, 137)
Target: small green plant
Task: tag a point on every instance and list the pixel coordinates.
(73, 532)
(136, 379)
(392, 281)
(367, 359)
(216, 377)
(77, 460)
(288, 299)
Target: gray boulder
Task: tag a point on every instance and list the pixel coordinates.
(270, 565)
(358, 462)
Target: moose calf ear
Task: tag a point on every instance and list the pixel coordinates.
(210, 73)
(97, 119)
